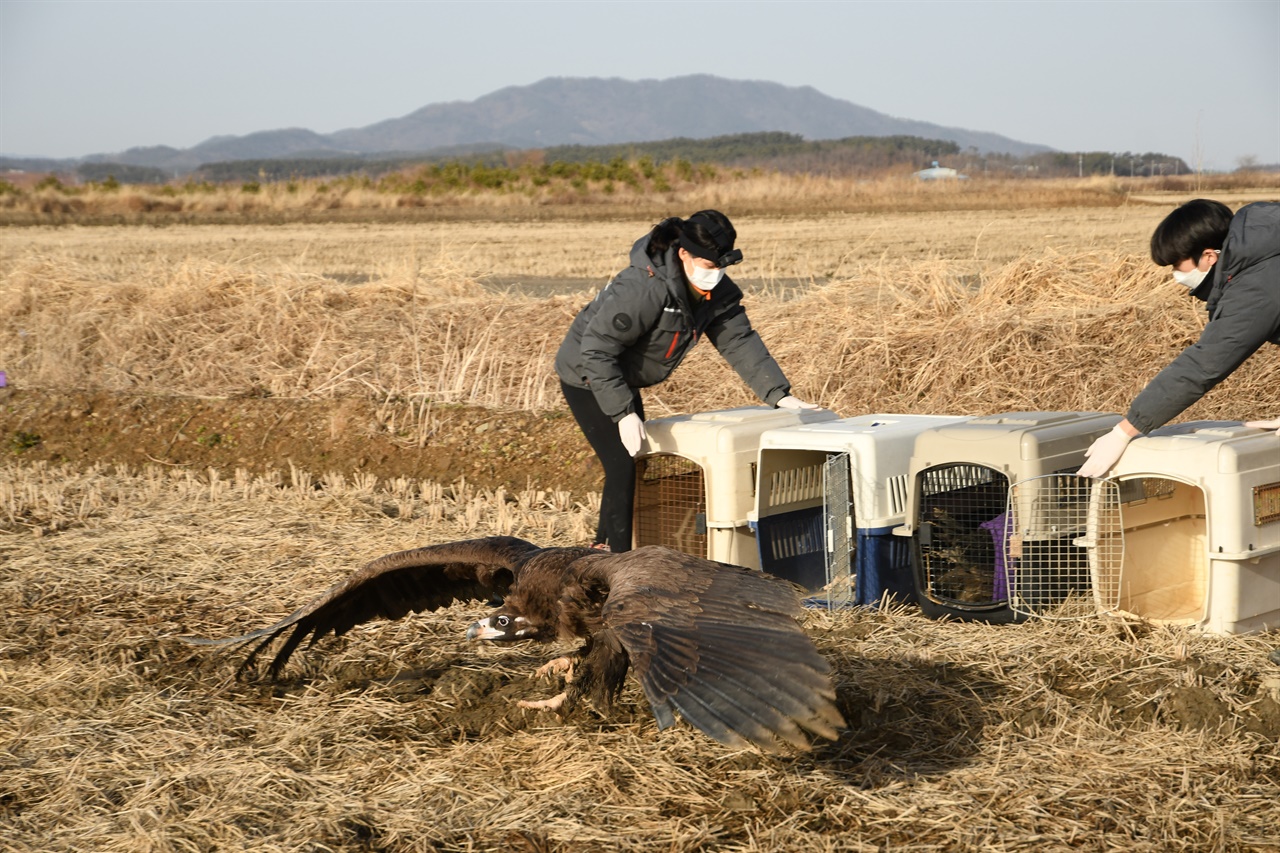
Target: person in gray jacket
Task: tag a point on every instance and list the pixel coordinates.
(638, 329)
(1233, 264)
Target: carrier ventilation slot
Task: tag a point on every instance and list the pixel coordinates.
(899, 488)
(795, 485)
(1266, 504)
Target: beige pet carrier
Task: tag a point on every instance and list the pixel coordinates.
(959, 520)
(696, 480)
(1199, 513)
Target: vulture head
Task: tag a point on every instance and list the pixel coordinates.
(506, 626)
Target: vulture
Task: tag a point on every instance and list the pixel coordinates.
(718, 644)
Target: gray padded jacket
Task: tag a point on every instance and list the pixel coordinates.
(643, 323)
(1242, 293)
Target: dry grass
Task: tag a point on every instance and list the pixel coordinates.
(1100, 735)
(746, 192)
(935, 315)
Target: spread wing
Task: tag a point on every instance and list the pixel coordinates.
(391, 587)
(721, 645)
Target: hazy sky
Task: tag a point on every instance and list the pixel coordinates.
(1200, 80)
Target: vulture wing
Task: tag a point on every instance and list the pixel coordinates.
(391, 587)
(720, 644)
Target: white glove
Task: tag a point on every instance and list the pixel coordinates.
(631, 431)
(1104, 453)
(1275, 424)
(789, 402)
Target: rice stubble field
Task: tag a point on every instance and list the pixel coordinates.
(331, 361)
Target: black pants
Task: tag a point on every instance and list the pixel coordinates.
(619, 496)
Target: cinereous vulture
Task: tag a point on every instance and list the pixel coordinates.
(717, 643)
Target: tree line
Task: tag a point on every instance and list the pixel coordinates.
(653, 163)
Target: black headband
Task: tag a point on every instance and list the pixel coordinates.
(723, 255)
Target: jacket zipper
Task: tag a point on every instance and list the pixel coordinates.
(671, 349)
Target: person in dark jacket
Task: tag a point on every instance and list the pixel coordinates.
(639, 328)
(1233, 264)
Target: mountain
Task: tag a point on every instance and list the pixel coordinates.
(263, 145)
(596, 111)
(583, 111)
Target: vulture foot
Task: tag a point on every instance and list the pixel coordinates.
(552, 704)
(560, 666)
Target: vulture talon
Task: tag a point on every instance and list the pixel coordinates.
(552, 704)
(562, 666)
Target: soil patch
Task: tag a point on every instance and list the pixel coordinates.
(485, 447)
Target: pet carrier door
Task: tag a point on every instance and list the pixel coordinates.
(1064, 546)
(671, 504)
(838, 522)
(958, 548)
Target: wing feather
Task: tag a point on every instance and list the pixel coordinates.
(391, 587)
(721, 646)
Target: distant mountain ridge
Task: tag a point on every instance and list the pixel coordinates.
(583, 111)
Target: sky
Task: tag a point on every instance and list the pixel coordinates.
(1198, 80)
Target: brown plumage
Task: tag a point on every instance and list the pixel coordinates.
(718, 644)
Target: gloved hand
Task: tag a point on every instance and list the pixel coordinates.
(631, 431)
(1105, 452)
(1274, 424)
(789, 402)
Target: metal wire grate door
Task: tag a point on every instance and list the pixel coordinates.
(838, 523)
(962, 515)
(1065, 546)
(671, 504)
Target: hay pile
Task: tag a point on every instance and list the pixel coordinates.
(1097, 735)
(1082, 331)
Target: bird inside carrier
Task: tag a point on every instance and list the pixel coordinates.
(961, 528)
(976, 554)
(696, 480)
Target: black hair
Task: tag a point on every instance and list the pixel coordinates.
(707, 228)
(1193, 227)
(663, 236)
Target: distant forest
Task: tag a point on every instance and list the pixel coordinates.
(774, 151)
(782, 152)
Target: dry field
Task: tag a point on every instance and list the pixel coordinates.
(222, 355)
(1101, 735)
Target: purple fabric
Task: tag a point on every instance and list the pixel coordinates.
(997, 528)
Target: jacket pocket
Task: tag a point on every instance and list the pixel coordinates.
(669, 335)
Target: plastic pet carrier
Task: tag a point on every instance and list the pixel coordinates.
(1199, 514)
(829, 496)
(696, 480)
(959, 520)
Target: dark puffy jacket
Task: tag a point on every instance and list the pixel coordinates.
(1242, 293)
(636, 330)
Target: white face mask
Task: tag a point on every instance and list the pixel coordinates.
(706, 279)
(1190, 280)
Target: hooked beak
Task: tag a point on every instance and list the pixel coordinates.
(482, 630)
